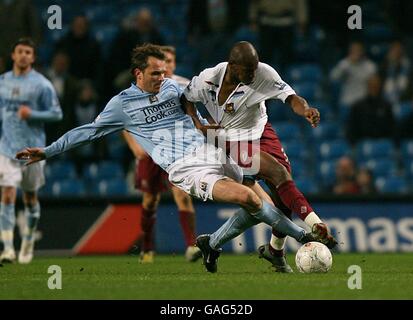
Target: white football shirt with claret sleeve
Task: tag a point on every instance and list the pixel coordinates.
(243, 115)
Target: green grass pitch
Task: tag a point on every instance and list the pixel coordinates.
(384, 276)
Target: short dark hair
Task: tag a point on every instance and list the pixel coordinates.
(141, 54)
(25, 42)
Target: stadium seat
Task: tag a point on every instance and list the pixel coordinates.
(71, 187)
(306, 186)
(103, 170)
(391, 185)
(60, 170)
(333, 149)
(287, 130)
(408, 168)
(305, 72)
(326, 131)
(299, 168)
(117, 187)
(381, 148)
(326, 172)
(402, 110)
(406, 149)
(308, 90)
(380, 167)
(296, 150)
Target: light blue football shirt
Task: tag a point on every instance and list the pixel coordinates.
(35, 91)
(157, 122)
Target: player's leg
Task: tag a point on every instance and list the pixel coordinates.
(253, 211)
(149, 179)
(32, 180)
(272, 171)
(32, 216)
(10, 179)
(187, 220)
(7, 223)
(150, 202)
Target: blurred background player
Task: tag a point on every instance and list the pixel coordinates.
(27, 100)
(234, 94)
(152, 180)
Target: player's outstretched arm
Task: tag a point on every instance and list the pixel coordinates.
(301, 107)
(32, 155)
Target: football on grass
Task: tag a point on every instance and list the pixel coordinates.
(313, 257)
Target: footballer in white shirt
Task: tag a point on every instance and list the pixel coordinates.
(234, 94)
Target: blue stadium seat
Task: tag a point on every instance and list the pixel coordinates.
(60, 170)
(287, 130)
(296, 150)
(333, 149)
(326, 171)
(326, 131)
(299, 168)
(71, 187)
(377, 32)
(392, 185)
(380, 167)
(408, 168)
(406, 149)
(116, 187)
(305, 72)
(103, 170)
(381, 148)
(308, 90)
(402, 110)
(306, 186)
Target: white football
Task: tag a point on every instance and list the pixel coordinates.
(313, 257)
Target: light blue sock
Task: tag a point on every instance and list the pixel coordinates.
(276, 219)
(32, 214)
(7, 222)
(233, 227)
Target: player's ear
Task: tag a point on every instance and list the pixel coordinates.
(138, 73)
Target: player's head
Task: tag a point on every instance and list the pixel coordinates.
(148, 67)
(243, 62)
(23, 53)
(170, 60)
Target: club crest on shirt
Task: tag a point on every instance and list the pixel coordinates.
(153, 99)
(203, 186)
(229, 108)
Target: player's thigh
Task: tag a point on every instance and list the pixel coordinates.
(261, 192)
(182, 199)
(270, 168)
(11, 172)
(33, 177)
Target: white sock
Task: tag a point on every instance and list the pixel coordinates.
(312, 219)
(7, 237)
(277, 243)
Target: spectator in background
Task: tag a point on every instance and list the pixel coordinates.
(365, 181)
(18, 18)
(372, 117)
(211, 24)
(345, 177)
(66, 89)
(395, 72)
(352, 73)
(85, 111)
(83, 50)
(137, 29)
(276, 22)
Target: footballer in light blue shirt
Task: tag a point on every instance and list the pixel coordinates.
(27, 101)
(152, 112)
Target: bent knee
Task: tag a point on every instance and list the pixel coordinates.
(151, 201)
(249, 199)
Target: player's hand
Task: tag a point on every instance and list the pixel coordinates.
(206, 128)
(313, 116)
(32, 155)
(24, 112)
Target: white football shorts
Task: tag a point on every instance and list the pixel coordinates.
(15, 174)
(198, 172)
